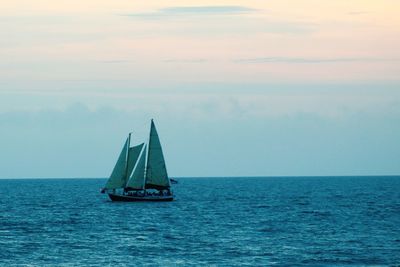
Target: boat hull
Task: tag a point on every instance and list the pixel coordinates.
(126, 198)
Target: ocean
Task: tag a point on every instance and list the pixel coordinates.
(281, 221)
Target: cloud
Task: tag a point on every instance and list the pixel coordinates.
(217, 20)
(357, 13)
(225, 101)
(192, 10)
(117, 61)
(208, 10)
(193, 60)
(80, 142)
(299, 60)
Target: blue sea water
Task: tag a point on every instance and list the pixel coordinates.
(291, 221)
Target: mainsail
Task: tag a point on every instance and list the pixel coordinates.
(137, 179)
(133, 156)
(117, 177)
(156, 172)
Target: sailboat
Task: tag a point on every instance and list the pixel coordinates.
(140, 173)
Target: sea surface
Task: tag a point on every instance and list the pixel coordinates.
(291, 221)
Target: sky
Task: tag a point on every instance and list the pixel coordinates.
(236, 88)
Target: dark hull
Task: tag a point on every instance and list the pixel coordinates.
(125, 198)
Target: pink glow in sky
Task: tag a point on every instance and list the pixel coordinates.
(196, 42)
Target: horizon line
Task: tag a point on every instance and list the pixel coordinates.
(216, 177)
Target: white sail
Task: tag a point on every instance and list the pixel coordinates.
(117, 177)
(156, 172)
(137, 179)
(133, 156)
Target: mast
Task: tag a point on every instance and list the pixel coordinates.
(146, 169)
(147, 158)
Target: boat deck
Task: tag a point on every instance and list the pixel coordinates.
(127, 198)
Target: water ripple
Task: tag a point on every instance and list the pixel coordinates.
(213, 222)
